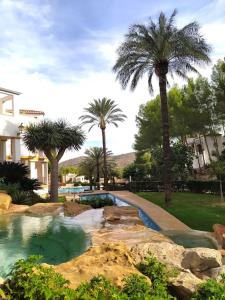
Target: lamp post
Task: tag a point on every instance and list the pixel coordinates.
(21, 128)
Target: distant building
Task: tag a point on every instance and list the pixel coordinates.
(12, 121)
(205, 148)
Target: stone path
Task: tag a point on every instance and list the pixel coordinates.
(161, 217)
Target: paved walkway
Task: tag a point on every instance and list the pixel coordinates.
(161, 217)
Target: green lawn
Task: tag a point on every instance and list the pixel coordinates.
(198, 211)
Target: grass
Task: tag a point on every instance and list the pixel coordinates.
(198, 211)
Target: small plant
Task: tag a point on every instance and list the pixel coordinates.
(99, 288)
(136, 287)
(30, 280)
(211, 290)
(158, 274)
(97, 202)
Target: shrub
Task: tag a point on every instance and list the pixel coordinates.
(19, 196)
(30, 280)
(136, 287)
(17, 173)
(97, 202)
(159, 276)
(99, 288)
(211, 289)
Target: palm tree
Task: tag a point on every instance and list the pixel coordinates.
(87, 167)
(161, 48)
(100, 113)
(97, 155)
(53, 138)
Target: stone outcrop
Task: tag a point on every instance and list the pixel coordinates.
(219, 231)
(73, 209)
(5, 201)
(45, 208)
(111, 260)
(201, 259)
(123, 215)
(130, 235)
(185, 284)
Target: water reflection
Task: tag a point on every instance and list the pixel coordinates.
(57, 239)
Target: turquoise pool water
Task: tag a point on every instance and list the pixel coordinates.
(72, 190)
(58, 239)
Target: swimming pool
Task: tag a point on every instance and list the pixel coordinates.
(72, 190)
(57, 238)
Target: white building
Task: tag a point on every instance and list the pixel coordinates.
(205, 148)
(12, 120)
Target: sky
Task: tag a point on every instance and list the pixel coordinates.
(60, 54)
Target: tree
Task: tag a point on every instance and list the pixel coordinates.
(161, 48)
(65, 170)
(53, 138)
(96, 154)
(100, 113)
(218, 85)
(87, 168)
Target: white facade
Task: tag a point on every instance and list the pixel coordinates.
(12, 119)
(205, 148)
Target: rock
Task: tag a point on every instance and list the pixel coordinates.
(214, 273)
(74, 209)
(125, 215)
(130, 235)
(5, 201)
(45, 208)
(185, 284)
(166, 252)
(219, 231)
(111, 260)
(201, 259)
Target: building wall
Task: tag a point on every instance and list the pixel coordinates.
(201, 155)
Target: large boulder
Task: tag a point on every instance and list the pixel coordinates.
(201, 259)
(219, 231)
(45, 208)
(111, 260)
(185, 284)
(166, 252)
(5, 201)
(130, 235)
(121, 215)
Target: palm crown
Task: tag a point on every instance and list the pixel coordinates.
(160, 48)
(102, 112)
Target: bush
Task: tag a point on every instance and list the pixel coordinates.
(211, 289)
(17, 173)
(30, 280)
(136, 287)
(19, 196)
(97, 202)
(159, 276)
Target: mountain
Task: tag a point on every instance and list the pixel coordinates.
(121, 160)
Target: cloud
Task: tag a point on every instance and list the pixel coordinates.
(60, 54)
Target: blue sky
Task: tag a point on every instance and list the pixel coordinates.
(59, 54)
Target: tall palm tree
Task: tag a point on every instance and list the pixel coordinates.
(161, 48)
(97, 155)
(101, 112)
(53, 138)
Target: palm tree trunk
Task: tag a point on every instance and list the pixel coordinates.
(105, 161)
(98, 176)
(166, 139)
(54, 181)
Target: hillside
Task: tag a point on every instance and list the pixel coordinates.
(121, 160)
